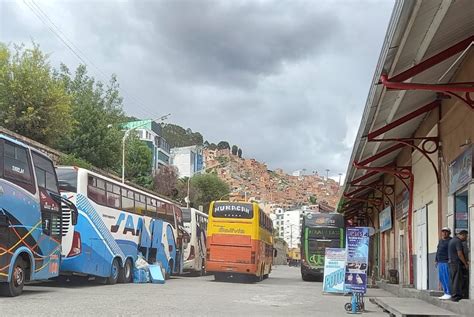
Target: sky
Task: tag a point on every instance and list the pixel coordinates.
(285, 80)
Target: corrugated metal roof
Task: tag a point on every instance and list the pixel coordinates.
(417, 30)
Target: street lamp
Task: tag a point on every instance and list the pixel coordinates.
(127, 133)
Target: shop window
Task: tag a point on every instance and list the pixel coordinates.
(461, 216)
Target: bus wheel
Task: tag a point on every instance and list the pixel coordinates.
(125, 274)
(203, 268)
(169, 271)
(113, 278)
(15, 286)
(305, 277)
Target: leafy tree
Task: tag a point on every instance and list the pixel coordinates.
(182, 191)
(212, 146)
(32, 101)
(239, 153)
(313, 200)
(209, 187)
(97, 110)
(234, 149)
(223, 145)
(165, 181)
(138, 162)
(71, 159)
(177, 136)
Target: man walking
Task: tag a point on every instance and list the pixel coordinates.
(457, 263)
(442, 259)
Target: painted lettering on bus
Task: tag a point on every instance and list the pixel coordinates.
(129, 225)
(316, 259)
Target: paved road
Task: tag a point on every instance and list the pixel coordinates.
(283, 294)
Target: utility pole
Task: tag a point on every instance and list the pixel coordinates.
(340, 175)
(327, 174)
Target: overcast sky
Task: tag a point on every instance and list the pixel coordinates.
(285, 80)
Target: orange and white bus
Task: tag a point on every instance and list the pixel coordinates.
(239, 240)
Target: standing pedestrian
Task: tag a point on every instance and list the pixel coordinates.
(457, 263)
(441, 260)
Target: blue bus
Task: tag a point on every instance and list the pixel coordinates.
(116, 223)
(31, 216)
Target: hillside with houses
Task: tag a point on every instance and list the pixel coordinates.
(251, 179)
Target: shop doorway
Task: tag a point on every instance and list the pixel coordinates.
(461, 222)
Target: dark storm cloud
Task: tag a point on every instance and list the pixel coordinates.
(227, 42)
(285, 80)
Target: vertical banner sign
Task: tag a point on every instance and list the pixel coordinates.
(357, 249)
(334, 269)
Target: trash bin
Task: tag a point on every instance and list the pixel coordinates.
(393, 276)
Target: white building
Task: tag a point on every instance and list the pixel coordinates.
(288, 223)
(188, 160)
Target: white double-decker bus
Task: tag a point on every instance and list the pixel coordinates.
(116, 222)
(195, 223)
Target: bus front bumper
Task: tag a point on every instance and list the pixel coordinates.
(225, 267)
(305, 269)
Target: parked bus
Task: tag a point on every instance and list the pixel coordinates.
(195, 223)
(239, 240)
(318, 232)
(30, 216)
(116, 223)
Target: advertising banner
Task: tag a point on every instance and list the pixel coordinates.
(357, 249)
(334, 270)
(460, 171)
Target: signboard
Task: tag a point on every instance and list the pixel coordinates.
(385, 218)
(334, 270)
(401, 205)
(460, 171)
(357, 249)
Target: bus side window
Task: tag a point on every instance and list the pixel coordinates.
(113, 195)
(17, 166)
(128, 202)
(96, 190)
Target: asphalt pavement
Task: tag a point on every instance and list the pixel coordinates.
(282, 294)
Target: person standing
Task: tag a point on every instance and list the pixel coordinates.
(457, 264)
(441, 260)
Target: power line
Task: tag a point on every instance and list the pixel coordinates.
(47, 21)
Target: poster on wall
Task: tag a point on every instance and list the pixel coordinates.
(460, 171)
(357, 260)
(385, 218)
(334, 270)
(401, 205)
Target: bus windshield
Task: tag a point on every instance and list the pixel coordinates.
(67, 178)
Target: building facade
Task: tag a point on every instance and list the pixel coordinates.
(188, 160)
(288, 223)
(411, 170)
(150, 132)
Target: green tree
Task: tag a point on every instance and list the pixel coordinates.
(223, 145)
(32, 101)
(97, 110)
(138, 161)
(166, 180)
(177, 136)
(209, 187)
(239, 153)
(313, 200)
(234, 149)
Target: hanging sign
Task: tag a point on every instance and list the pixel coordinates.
(460, 171)
(385, 218)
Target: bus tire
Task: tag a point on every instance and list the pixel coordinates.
(114, 274)
(169, 272)
(15, 286)
(305, 277)
(203, 268)
(125, 275)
